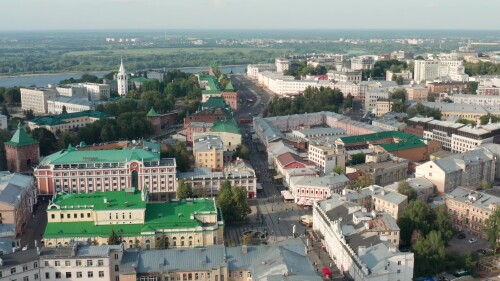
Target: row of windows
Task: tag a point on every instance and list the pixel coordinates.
(79, 274)
(13, 270)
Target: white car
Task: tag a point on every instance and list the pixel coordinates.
(472, 240)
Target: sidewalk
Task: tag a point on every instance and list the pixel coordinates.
(320, 259)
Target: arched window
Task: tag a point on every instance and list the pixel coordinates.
(148, 244)
(190, 241)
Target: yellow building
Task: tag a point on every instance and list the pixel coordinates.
(92, 217)
(208, 152)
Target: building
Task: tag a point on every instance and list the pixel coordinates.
(326, 156)
(389, 124)
(361, 244)
(447, 87)
(122, 80)
(467, 111)
(3, 122)
(290, 160)
(81, 262)
(286, 260)
(417, 93)
(253, 70)
(362, 62)
(85, 171)
(316, 188)
(382, 168)
(36, 99)
(344, 76)
(162, 122)
(18, 195)
(383, 106)
(22, 152)
(422, 186)
(428, 70)
(226, 129)
(389, 202)
(468, 210)
(239, 173)
(488, 100)
(92, 217)
(405, 74)
(90, 91)
(71, 104)
(372, 96)
(23, 265)
(467, 169)
(66, 121)
(282, 64)
(208, 152)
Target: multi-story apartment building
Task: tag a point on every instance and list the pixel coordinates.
(361, 244)
(405, 74)
(426, 70)
(383, 106)
(253, 70)
(389, 124)
(344, 76)
(389, 202)
(417, 93)
(372, 96)
(81, 262)
(316, 188)
(242, 263)
(465, 169)
(18, 195)
(66, 121)
(208, 152)
(467, 111)
(226, 129)
(447, 87)
(85, 171)
(468, 210)
(92, 217)
(383, 168)
(492, 100)
(422, 186)
(326, 156)
(239, 173)
(22, 265)
(362, 62)
(36, 99)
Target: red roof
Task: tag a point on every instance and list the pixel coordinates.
(289, 158)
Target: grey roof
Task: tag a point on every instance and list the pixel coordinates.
(18, 258)
(7, 230)
(96, 251)
(325, 181)
(13, 186)
(206, 143)
(456, 107)
(200, 173)
(392, 197)
(475, 198)
(6, 245)
(455, 162)
(319, 131)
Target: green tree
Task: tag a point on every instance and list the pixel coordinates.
(405, 189)
(349, 101)
(485, 119)
(419, 58)
(64, 111)
(492, 228)
(199, 192)
(363, 181)
(184, 190)
(466, 121)
(151, 85)
(398, 107)
(399, 80)
(443, 224)
(232, 202)
(420, 109)
(358, 158)
(338, 170)
(115, 238)
(429, 254)
(448, 100)
(29, 114)
(417, 216)
(47, 140)
(162, 242)
(5, 111)
(242, 152)
(399, 94)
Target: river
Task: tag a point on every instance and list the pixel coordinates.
(41, 80)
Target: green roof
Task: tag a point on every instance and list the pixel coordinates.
(402, 145)
(152, 113)
(378, 136)
(115, 200)
(174, 215)
(228, 126)
(51, 120)
(229, 87)
(90, 156)
(215, 102)
(212, 84)
(21, 138)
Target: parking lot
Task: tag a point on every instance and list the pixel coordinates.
(463, 246)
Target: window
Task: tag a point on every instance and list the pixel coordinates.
(79, 274)
(399, 262)
(57, 263)
(13, 270)
(25, 267)
(117, 267)
(90, 274)
(89, 263)
(46, 263)
(26, 278)
(116, 256)
(78, 263)
(58, 275)
(35, 276)
(35, 264)
(53, 216)
(101, 273)
(47, 275)
(68, 274)
(100, 262)
(67, 263)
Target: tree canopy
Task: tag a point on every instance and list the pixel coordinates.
(242, 152)
(298, 70)
(492, 228)
(358, 158)
(232, 202)
(420, 109)
(47, 140)
(405, 189)
(184, 190)
(486, 118)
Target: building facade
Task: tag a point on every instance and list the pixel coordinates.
(208, 152)
(36, 99)
(22, 152)
(326, 157)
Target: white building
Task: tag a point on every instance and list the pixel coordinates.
(122, 80)
(358, 250)
(362, 62)
(316, 188)
(326, 156)
(36, 99)
(372, 96)
(253, 70)
(405, 74)
(282, 64)
(22, 266)
(492, 100)
(344, 76)
(427, 70)
(3, 122)
(81, 262)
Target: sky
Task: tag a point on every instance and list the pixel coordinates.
(248, 14)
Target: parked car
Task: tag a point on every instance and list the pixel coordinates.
(481, 251)
(461, 235)
(472, 240)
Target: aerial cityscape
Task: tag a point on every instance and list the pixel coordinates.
(249, 141)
